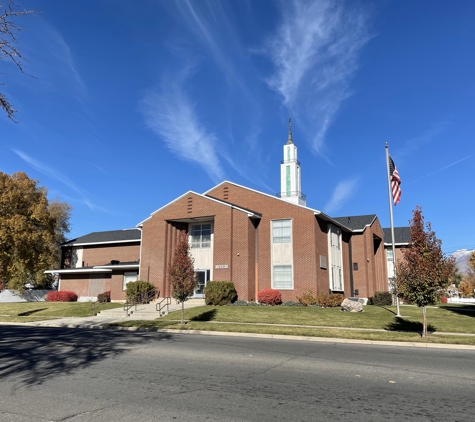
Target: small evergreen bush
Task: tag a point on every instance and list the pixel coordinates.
(270, 297)
(140, 292)
(381, 299)
(219, 293)
(64, 296)
(104, 297)
(293, 303)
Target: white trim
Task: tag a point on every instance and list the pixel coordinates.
(102, 243)
(248, 212)
(78, 270)
(121, 266)
(397, 244)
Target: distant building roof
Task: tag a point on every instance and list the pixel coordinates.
(113, 236)
(402, 235)
(356, 222)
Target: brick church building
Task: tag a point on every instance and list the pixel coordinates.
(253, 239)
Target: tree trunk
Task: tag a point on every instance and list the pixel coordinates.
(182, 312)
(424, 322)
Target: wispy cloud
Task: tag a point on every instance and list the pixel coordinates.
(413, 144)
(315, 53)
(172, 115)
(59, 177)
(342, 193)
(50, 60)
(442, 169)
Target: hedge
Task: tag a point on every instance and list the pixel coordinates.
(64, 296)
(219, 293)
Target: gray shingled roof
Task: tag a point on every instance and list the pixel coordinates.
(401, 235)
(356, 222)
(107, 237)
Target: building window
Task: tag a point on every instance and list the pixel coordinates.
(129, 276)
(201, 236)
(282, 277)
(389, 255)
(281, 231)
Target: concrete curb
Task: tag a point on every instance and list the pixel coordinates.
(252, 335)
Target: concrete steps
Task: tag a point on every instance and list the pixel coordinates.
(148, 311)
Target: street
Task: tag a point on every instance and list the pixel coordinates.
(56, 374)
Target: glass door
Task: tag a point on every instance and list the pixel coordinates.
(203, 278)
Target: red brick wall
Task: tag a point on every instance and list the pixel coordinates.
(104, 254)
(371, 275)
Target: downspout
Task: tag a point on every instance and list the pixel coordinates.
(350, 252)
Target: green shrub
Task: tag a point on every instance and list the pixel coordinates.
(293, 303)
(140, 292)
(307, 298)
(219, 293)
(381, 299)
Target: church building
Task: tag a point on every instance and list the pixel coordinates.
(255, 240)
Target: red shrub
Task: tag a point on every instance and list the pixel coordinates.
(61, 297)
(443, 299)
(270, 297)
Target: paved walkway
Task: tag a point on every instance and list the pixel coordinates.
(139, 312)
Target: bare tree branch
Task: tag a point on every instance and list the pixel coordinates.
(8, 40)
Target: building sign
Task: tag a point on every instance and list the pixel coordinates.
(221, 267)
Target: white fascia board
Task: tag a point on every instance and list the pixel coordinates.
(331, 220)
(77, 271)
(263, 193)
(112, 267)
(108, 242)
(396, 244)
(166, 205)
(201, 196)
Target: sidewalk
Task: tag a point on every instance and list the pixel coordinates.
(140, 312)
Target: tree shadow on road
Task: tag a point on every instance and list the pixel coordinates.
(31, 355)
(401, 324)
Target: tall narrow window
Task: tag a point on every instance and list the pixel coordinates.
(287, 180)
(201, 235)
(281, 231)
(282, 277)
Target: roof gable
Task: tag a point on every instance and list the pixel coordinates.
(357, 222)
(112, 236)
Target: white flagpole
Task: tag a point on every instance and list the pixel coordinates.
(390, 197)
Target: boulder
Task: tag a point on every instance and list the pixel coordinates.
(351, 306)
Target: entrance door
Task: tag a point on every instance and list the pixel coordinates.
(203, 278)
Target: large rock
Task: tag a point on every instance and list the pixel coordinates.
(351, 306)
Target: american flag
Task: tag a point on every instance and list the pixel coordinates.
(395, 181)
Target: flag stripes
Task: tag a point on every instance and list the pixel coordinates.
(395, 181)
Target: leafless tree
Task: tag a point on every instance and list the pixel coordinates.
(9, 30)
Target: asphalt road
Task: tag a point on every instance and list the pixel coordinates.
(55, 374)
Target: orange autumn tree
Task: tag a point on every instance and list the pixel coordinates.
(182, 273)
(425, 270)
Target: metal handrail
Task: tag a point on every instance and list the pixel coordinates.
(129, 305)
(160, 305)
(96, 305)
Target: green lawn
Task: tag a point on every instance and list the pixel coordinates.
(316, 322)
(313, 322)
(37, 311)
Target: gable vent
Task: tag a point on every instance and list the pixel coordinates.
(190, 205)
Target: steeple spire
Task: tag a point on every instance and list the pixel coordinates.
(289, 140)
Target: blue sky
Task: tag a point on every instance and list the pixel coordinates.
(134, 104)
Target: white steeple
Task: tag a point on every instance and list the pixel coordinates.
(290, 183)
